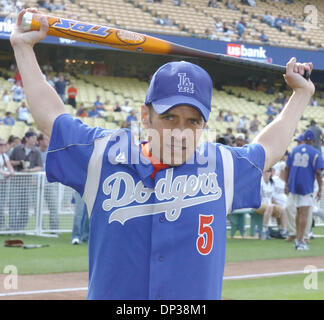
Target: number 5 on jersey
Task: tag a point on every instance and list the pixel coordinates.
(205, 234)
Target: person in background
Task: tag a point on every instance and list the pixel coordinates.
(93, 113)
(317, 133)
(8, 120)
(80, 230)
(6, 171)
(240, 140)
(254, 124)
(303, 165)
(50, 189)
(229, 116)
(18, 92)
(131, 117)
(82, 111)
(23, 113)
(11, 143)
(72, 93)
(5, 97)
(60, 87)
(25, 158)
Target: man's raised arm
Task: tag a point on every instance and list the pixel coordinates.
(44, 103)
(276, 137)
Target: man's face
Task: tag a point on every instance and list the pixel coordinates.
(173, 135)
(31, 141)
(44, 142)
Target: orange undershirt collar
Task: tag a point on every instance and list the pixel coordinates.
(157, 165)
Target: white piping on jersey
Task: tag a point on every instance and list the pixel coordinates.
(314, 160)
(228, 169)
(72, 145)
(247, 159)
(94, 172)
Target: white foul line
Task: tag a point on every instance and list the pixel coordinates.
(273, 274)
(247, 276)
(42, 291)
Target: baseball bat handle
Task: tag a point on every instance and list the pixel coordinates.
(133, 41)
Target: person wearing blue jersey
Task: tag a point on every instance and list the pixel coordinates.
(157, 208)
(303, 165)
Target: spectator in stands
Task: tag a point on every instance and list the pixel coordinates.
(163, 20)
(242, 123)
(6, 171)
(212, 4)
(209, 35)
(51, 82)
(263, 37)
(270, 119)
(117, 107)
(229, 116)
(254, 124)
(313, 102)
(126, 107)
(177, 3)
(220, 116)
(82, 111)
(279, 22)
(5, 97)
(280, 98)
(25, 158)
(93, 113)
(240, 140)
(23, 113)
(271, 109)
(251, 3)
(268, 19)
(50, 189)
(12, 142)
(108, 106)
(131, 117)
(229, 136)
(218, 25)
(18, 92)
(72, 93)
(98, 103)
(240, 28)
(60, 87)
(231, 5)
(317, 133)
(8, 119)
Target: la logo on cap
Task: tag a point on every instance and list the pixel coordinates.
(185, 85)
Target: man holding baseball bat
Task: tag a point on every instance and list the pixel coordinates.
(158, 209)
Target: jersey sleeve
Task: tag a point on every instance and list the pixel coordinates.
(71, 146)
(319, 163)
(248, 163)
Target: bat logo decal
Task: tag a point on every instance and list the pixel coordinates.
(83, 28)
(131, 38)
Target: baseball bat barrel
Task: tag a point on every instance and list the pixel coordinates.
(134, 41)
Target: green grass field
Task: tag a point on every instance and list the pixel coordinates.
(62, 256)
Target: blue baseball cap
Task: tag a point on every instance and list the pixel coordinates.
(180, 83)
(309, 135)
(300, 138)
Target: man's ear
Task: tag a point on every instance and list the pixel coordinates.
(145, 116)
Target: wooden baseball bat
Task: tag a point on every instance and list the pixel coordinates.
(133, 41)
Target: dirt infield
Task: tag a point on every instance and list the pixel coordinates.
(72, 286)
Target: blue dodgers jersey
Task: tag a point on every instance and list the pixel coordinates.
(161, 238)
(303, 162)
